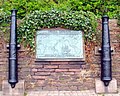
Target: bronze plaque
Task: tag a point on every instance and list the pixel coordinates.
(59, 44)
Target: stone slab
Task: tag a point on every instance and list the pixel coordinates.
(0, 93)
(17, 91)
(61, 44)
(100, 88)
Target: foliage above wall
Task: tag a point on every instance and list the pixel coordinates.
(98, 7)
(74, 20)
(37, 20)
(4, 17)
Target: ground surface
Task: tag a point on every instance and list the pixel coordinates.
(69, 93)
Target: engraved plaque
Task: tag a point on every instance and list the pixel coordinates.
(61, 44)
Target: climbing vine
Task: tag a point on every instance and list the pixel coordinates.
(73, 20)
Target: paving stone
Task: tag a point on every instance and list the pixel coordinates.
(17, 91)
(100, 88)
(69, 93)
(0, 93)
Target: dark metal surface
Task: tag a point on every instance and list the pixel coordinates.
(106, 72)
(13, 74)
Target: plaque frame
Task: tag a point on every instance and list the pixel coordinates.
(61, 59)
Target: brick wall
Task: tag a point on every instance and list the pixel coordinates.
(62, 75)
(115, 42)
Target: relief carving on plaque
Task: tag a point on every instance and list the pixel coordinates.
(59, 44)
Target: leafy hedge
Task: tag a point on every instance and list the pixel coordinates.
(4, 17)
(4, 25)
(24, 7)
(49, 19)
(98, 7)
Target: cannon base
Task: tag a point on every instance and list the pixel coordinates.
(17, 91)
(101, 88)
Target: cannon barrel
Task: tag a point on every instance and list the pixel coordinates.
(106, 72)
(13, 74)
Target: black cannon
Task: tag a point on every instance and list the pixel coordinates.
(106, 72)
(13, 66)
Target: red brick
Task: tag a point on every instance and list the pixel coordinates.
(39, 62)
(61, 70)
(25, 69)
(3, 59)
(43, 73)
(69, 66)
(40, 77)
(37, 66)
(69, 73)
(2, 63)
(40, 82)
(46, 70)
(34, 70)
(75, 70)
(50, 66)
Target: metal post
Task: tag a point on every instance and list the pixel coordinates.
(13, 69)
(106, 72)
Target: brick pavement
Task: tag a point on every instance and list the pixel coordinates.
(69, 93)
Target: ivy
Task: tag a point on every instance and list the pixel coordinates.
(4, 23)
(4, 17)
(74, 20)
